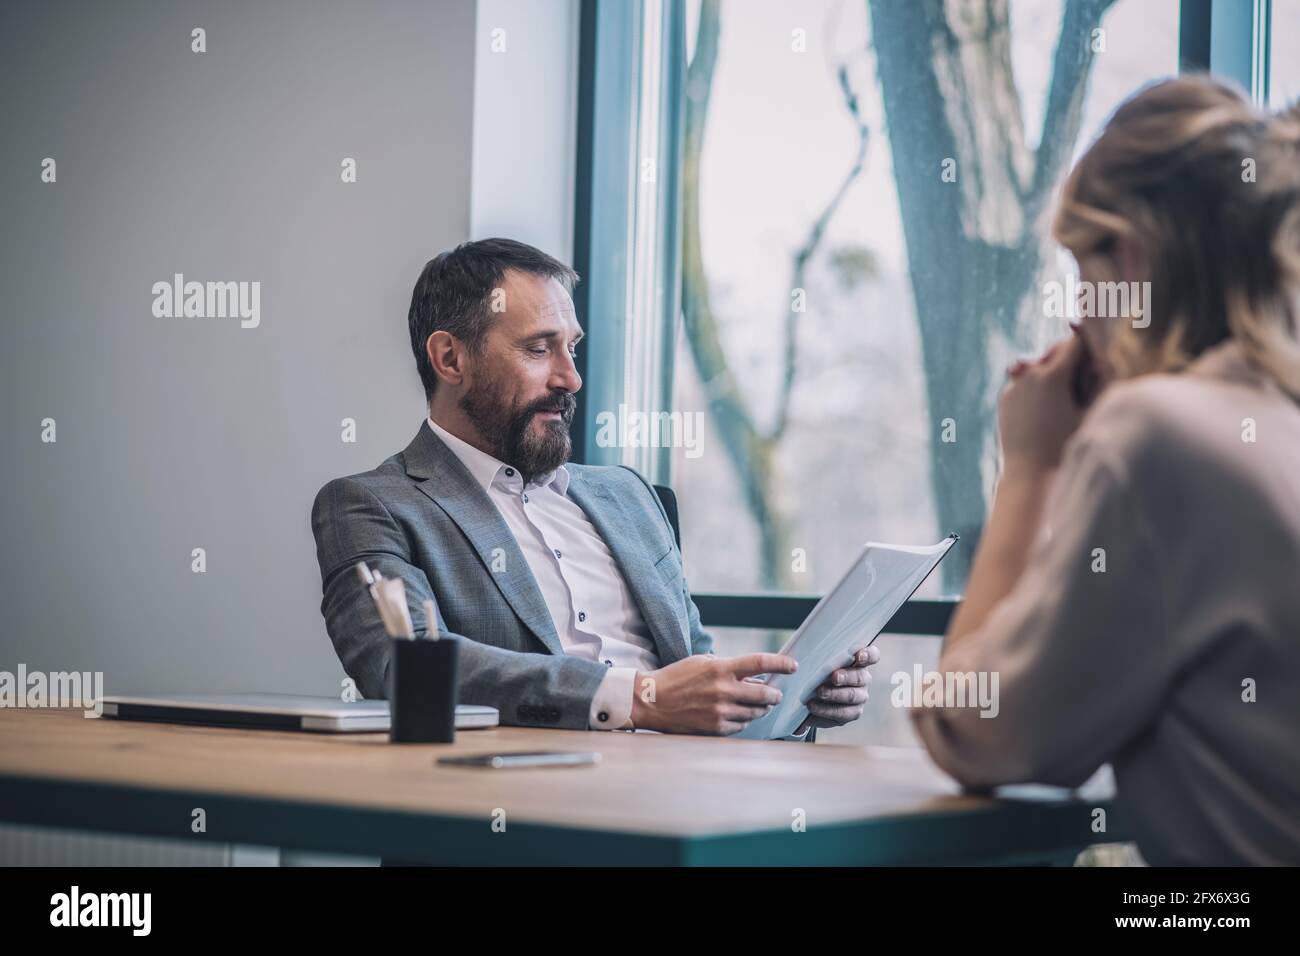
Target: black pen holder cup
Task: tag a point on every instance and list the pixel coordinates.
(422, 691)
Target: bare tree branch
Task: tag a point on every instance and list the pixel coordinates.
(805, 252)
(973, 250)
(749, 452)
(1064, 112)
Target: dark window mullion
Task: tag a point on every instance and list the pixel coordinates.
(786, 612)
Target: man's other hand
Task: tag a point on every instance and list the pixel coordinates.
(840, 698)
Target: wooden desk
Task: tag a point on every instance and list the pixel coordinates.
(654, 799)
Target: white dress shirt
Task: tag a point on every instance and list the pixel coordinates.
(595, 614)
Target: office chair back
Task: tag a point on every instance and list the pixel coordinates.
(669, 501)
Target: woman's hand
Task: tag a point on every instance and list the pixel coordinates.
(1037, 413)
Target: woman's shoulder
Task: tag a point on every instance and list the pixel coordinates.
(1145, 402)
(1172, 421)
(1138, 409)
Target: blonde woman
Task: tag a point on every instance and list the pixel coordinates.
(1137, 588)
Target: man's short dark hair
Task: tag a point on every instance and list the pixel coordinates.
(453, 293)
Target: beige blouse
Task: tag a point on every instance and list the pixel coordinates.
(1179, 663)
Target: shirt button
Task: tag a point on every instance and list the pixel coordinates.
(557, 553)
(525, 499)
(582, 615)
(603, 717)
(609, 663)
(510, 472)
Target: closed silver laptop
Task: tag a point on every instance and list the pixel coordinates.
(276, 712)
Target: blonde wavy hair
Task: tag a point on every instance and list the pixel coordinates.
(1208, 188)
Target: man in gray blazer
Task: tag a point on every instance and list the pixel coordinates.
(562, 582)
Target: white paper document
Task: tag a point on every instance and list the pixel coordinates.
(850, 616)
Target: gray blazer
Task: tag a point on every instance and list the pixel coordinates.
(420, 516)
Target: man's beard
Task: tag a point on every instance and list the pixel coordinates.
(507, 430)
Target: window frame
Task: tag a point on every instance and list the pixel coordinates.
(630, 76)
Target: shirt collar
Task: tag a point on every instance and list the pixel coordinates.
(486, 469)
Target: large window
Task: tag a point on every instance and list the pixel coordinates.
(864, 189)
(863, 194)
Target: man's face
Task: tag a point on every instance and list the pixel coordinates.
(519, 388)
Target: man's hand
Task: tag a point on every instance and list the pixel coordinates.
(840, 697)
(704, 694)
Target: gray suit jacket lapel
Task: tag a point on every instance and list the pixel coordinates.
(610, 518)
(453, 489)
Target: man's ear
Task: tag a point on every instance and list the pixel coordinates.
(446, 354)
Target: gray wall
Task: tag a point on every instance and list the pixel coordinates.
(182, 433)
